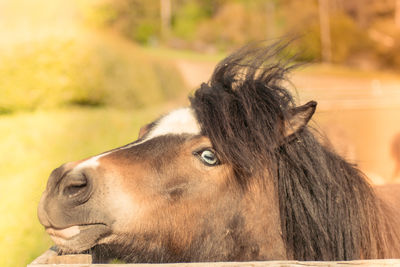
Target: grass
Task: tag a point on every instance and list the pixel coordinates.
(32, 145)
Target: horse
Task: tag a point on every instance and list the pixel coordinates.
(238, 175)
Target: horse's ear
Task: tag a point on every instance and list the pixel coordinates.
(144, 130)
(298, 119)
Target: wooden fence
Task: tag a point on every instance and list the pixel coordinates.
(51, 259)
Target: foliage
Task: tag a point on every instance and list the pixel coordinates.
(233, 25)
(187, 18)
(135, 19)
(93, 72)
(387, 49)
(221, 25)
(349, 39)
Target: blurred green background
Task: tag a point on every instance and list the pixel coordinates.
(78, 77)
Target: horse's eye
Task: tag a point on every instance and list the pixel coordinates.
(208, 157)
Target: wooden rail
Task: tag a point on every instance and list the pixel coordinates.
(51, 259)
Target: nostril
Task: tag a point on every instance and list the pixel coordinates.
(75, 186)
(74, 190)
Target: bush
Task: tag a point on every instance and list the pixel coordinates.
(348, 39)
(94, 72)
(136, 20)
(234, 25)
(187, 19)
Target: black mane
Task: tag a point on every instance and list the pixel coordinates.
(328, 210)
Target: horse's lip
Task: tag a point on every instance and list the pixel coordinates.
(69, 232)
(78, 238)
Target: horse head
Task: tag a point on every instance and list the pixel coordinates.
(235, 176)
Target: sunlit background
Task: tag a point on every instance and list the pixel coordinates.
(78, 77)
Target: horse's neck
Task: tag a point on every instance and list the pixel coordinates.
(390, 195)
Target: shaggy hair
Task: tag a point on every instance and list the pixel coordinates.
(328, 210)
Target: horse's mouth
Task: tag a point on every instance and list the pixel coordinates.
(77, 238)
(65, 233)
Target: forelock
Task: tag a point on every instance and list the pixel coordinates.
(241, 107)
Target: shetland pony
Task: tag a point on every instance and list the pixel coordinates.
(236, 176)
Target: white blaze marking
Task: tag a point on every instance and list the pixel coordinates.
(180, 121)
(91, 162)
